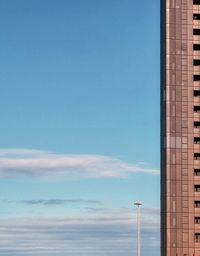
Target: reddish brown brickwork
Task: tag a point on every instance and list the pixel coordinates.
(180, 128)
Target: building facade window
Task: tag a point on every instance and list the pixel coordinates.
(197, 237)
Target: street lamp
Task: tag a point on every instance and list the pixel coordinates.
(138, 204)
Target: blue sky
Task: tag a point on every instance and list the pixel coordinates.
(79, 107)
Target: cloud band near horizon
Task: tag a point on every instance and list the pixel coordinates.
(102, 232)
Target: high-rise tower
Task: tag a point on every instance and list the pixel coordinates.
(180, 127)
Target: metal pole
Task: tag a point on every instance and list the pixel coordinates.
(138, 204)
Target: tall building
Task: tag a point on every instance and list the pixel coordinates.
(180, 127)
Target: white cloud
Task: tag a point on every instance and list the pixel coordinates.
(50, 165)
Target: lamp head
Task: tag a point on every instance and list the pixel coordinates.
(138, 203)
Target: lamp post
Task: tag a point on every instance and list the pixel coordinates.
(138, 204)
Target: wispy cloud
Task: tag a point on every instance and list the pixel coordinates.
(60, 202)
(106, 232)
(50, 165)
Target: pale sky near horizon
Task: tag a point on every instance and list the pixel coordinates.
(79, 107)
